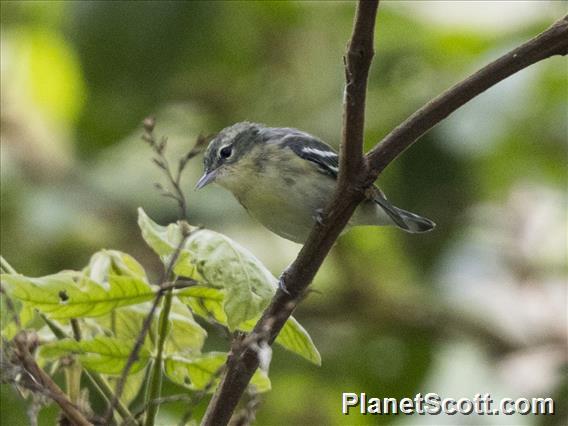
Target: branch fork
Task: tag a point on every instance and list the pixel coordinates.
(357, 174)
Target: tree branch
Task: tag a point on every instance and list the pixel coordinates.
(43, 379)
(553, 41)
(356, 176)
(357, 63)
(243, 361)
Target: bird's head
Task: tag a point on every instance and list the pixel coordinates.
(226, 152)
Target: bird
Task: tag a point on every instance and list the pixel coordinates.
(285, 178)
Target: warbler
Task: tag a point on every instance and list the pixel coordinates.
(285, 178)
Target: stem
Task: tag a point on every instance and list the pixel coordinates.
(6, 266)
(155, 383)
(132, 357)
(73, 371)
(42, 379)
(106, 391)
(243, 362)
(73, 381)
(146, 325)
(95, 378)
(76, 329)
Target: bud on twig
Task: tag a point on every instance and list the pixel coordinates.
(149, 124)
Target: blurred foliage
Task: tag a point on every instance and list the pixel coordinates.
(394, 314)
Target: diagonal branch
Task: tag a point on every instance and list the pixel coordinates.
(44, 381)
(357, 175)
(243, 361)
(552, 42)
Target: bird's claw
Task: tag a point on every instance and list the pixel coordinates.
(282, 287)
(318, 216)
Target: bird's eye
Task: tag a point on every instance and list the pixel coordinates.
(226, 151)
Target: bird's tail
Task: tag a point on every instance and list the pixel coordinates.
(414, 223)
(405, 220)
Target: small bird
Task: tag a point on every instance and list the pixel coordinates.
(285, 178)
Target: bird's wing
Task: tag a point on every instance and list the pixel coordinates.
(314, 150)
(327, 161)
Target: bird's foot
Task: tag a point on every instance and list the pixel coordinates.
(282, 286)
(318, 216)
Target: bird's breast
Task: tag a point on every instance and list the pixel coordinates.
(284, 196)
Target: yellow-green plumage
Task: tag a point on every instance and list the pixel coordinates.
(283, 190)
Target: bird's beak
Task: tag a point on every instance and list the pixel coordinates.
(207, 178)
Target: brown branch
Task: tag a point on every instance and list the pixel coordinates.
(356, 176)
(41, 378)
(553, 41)
(357, 63)
(243, 361)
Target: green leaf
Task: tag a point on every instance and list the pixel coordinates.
(218, 262)
(24, 314)
(207, 303)
(125, 323)
(107, 355)
(202, 292)
(111, 280)
(200, 373)
(222, 263)
(235, 285)
(132, 387)
(113, 262)
(293, 337)
(184, 336)
(73, 295)
(163, 240)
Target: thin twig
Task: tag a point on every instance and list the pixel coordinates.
(106, 391)
(6, 267)
(192, 400)
(168, 281)
(133, 356)
(95, 378)
(76, 329)
(155, 377)
(198, 396)
(247, 415)
(163, 400)
(73, 370)
(357, 63)
(300, 274)
(11, 307)
(174, 179)
(41, 377)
